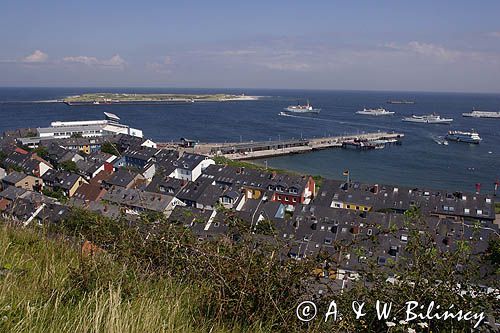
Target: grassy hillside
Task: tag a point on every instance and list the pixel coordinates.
(48, 286)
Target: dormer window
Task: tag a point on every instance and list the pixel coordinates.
(488, 200)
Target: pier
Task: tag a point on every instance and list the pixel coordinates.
(262, 149)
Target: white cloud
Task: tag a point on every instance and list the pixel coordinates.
(237, 52)
(36, 57)
(163, 67)
(426, 49)
(288, 66)
(82, 60)
(115, 61)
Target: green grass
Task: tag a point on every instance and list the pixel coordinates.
(497, 208)
(47, 286)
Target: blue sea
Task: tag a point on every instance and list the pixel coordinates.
(418, 162)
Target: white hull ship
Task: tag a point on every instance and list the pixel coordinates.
(467, 137)
(428, 119)
(481, 114)
(308, 108)
(375, 112)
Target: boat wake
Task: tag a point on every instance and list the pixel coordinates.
(342, 122)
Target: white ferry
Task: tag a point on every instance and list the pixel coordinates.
(467, 137)
(308, 108)
(375, 112)
(428, 119)
(481, 114)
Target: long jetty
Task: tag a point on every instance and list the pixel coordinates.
(262, 149)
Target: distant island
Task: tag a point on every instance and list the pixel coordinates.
(122, 98)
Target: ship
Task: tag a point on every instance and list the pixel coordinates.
(428, 119)
(308, 108)
(481, 114)
(375, 112)
(400, 102)
(467, 137)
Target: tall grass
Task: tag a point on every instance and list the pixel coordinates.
(46, 285)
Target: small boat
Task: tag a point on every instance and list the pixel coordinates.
(400, 102)
(282, 113)
(428, 119)
(440, 140)
(375, 112)
(308, 108)
(467, 137)
(481, 114)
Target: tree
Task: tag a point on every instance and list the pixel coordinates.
(41, 151)
(68, 166)
(108, 147)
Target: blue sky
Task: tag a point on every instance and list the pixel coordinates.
(366, 45)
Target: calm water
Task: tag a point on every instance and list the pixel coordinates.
(418, 162)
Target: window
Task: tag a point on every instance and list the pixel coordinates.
(479, 212)
(294, 199)
(466, 210)
(286, 199)
(404, 238)
(369, 232)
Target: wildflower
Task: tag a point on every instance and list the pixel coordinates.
(423, 325)
(390, 324)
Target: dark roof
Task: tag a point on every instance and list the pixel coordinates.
(399, 198)
(138, 199)
(165, 184)
(141, 153)
(14, 177)
(62, 179)
(189, 161)
(122, 177)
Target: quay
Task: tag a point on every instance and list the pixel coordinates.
(261, 149)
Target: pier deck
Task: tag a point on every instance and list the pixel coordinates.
(262, 149)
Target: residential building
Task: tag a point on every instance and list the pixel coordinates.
(136, 201)
(64, 181)
(190, 166)
(22, 180)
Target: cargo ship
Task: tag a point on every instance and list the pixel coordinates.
(308, 108)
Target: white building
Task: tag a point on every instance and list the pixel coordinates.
(88, 128)
(190, 166)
